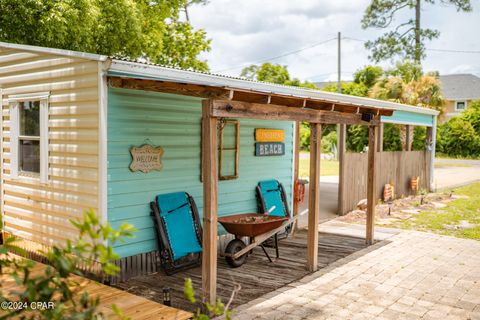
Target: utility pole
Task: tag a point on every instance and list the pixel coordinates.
(341, 136)
(339, 63)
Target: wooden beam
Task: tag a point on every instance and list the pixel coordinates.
(318, 105)
(170, 87)
(218, 92)
(238, 109)
(287, 101)
(210, 203)
(314, 196)
(380, 137)
(342, 181)
(250, 97)
(296, 160)
(371, 180)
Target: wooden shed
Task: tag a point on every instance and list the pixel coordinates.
(70, 120)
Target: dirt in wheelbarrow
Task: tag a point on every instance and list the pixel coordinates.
(252, 220)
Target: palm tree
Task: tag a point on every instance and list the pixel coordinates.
(421, 91)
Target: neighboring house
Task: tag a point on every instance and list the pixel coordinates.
(458, 91)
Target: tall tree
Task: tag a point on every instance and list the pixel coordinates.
(363, 80)
(408, 38)
(134, 29)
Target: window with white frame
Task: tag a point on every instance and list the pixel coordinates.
(460, 105)
(29, 136)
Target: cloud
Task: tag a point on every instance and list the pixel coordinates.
(249, 31)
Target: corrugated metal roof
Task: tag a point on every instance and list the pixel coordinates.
(62, 52)
(123, 67)
(460, 86)
(144, 69)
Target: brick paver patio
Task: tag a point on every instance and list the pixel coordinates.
(413, 276)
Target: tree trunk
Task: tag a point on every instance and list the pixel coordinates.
(403, 137)
(418, 51)
(186, 12)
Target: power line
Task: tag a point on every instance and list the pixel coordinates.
(428, 49)
(279, 56)
(453, 51)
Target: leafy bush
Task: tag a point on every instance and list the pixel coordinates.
(326, 131)
(472, 115)
(305, 136)
(391, 137)
(419, 138)
(357, 138)
(93, 247)
(219, 309)
(329, 142)
(460, 136)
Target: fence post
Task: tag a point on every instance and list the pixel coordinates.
(371, 182)
(342, 137)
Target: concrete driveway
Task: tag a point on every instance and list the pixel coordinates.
(411, 275)
(328, 201)
(450, 176)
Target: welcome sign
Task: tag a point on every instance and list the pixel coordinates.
(146, 158)
(269, 142)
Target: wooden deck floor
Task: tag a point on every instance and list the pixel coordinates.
(132, 306)
(257, 276)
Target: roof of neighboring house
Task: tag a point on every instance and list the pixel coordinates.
(460, 87)
(144, 70)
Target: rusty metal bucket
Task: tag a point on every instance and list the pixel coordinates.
(251, 224)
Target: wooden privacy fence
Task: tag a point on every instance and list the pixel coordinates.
(392, 167)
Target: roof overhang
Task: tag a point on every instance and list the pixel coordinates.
(123, 68)
(62, 52)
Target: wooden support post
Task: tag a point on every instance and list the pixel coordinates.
(342, 179)
(314, 196)
(409, 138)
(296, 169)
(210, 203)
(371, 180)
(431, 143)
(380, 137)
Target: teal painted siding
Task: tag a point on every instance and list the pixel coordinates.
(405, 117)
(174, 122)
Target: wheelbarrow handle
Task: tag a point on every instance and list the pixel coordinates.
(270, 210)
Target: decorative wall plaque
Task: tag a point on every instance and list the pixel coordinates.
(146, 158)
(269, 135)
(263, 149)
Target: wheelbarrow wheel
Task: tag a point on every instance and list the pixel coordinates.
(233, 247)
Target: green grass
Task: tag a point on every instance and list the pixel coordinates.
(327, 167)
(455, 211)
(439, 155)
(451, 165)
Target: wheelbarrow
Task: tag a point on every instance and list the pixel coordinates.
(258, 227)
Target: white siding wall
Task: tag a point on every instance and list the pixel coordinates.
(41, 212)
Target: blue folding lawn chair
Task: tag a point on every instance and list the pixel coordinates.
(271, 193)
(179, 231)
(272, 198)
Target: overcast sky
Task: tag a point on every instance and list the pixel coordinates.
(253, 31)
